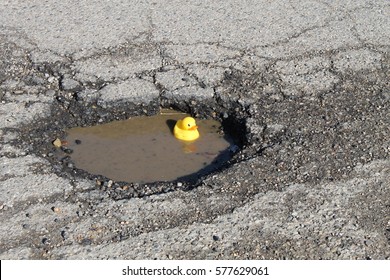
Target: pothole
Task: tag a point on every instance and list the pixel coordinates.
(143, 149)
(221, 125)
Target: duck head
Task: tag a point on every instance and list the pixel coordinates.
(188, 123)
(186, 129)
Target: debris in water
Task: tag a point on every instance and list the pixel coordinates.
(57, 143)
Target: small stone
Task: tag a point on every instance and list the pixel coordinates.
(233, 149)
(68, 151)
(46, 241)
(179, 184)
(86, 241)
(56, 209)
(57, 143)
(64, 235)
(77, 141)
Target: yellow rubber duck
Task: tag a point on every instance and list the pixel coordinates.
(186, 129)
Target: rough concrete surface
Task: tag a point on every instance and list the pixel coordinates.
(304, 85)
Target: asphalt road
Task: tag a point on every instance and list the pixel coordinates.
(305, 84)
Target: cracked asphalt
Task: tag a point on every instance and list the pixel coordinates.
(304, 86)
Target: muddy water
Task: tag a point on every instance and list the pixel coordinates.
(143, 149)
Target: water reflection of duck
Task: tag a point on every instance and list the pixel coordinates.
(186, 129)
(189, 147)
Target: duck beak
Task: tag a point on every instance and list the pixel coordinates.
(195, 127)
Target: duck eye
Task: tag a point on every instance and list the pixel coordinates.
(189, 124)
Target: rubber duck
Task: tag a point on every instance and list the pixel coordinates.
(186, 129)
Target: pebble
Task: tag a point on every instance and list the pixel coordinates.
(68, 151)
(46, 241)
(86, 241)
(233, 148)
(57, 143)
(64, 235)
(56, 209)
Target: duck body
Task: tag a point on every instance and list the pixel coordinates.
(186, 129)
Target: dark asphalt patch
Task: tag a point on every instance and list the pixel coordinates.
(69, 110)
(290, 139)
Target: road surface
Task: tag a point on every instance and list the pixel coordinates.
(303, 84)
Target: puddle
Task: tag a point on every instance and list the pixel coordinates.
(144, 150)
